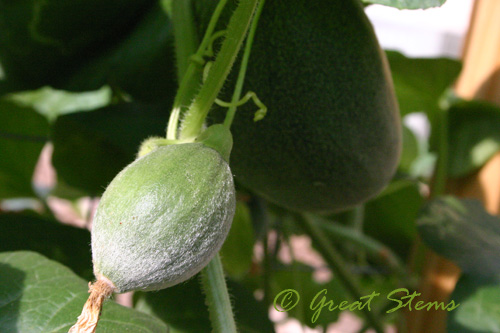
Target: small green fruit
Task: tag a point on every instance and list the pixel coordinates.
(163, 218)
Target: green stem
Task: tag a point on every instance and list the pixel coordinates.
(337, 264)
(374, 247)
(439, 143)
(217, 297)
(441, 174)
(190, 82)
(243, 67)
(267, 259)
(185, 36)
(296, 281)
(356, 220)
(190, 69)
(236, 32)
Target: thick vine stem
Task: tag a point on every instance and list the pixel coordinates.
(184, 32)
(337, 264)
(99, 292)
(217, 297)
(190, 80)
(236, 31)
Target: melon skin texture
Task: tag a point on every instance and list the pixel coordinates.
(163, 218)
(331, 138)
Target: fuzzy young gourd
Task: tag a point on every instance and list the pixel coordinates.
(163, 217)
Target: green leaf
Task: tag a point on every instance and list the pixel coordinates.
(31, 29)
(474, 136)
(191, 315)
(65, 244)
(462, 231)
(40, 295)
(64, 191)
(300, 278)
(23, 133)
(408, 4)
(259, 212)
(32, 26)
(90, 148)
(52, 103)
(251, 315)
(390, 217)
(479, 310)
(410, 150)
(142, 65)
(420, 83)
(237, 251)
(83, 45)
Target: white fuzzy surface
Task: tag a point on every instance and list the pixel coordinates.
(163, 218)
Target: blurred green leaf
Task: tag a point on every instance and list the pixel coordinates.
(64, 191)
(300, 278)
(391, 216)
(237, 251)
(124, 44)
(259, 212)
(65, 244)
(396, 185)
(90, 148)
(353, 240)
(479, 310)
(408, 4)
(474, 136)
(52, 103)
(23, 133)
(462, 231)
(191, 315)
(31, 29)
(410, 150)
(142, 65)
(424, 165)
(420, 83)
(40, 295)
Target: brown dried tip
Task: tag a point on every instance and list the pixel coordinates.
(87, 321)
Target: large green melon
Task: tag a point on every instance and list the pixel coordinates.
(332, 135)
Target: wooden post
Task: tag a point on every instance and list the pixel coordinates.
(480, 76)
(480, 79)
